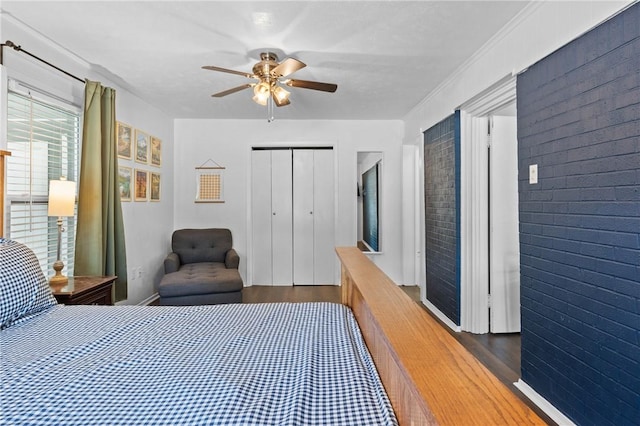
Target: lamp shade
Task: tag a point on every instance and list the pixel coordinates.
(62, 197)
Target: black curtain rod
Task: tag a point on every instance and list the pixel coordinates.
(11, 44)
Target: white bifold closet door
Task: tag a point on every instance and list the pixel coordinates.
(313, 217)
(292, 193)
(272, 212)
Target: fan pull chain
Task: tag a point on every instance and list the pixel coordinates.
(270, 116)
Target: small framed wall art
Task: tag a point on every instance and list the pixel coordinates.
(156, 151)
(142, 147)
(125, 135)
(154, 191)
(141, 185)
(124, 183)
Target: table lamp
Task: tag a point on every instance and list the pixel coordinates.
(62, 200)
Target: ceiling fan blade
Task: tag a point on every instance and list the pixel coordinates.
(230, 91)
(213, 68)
(286, 67)
(315, 85)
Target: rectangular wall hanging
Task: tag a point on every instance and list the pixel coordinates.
(124, 183)
(142, 147)
(156, 151)
(154, 187)
(209, 183)
(141, 185)
(124, 133)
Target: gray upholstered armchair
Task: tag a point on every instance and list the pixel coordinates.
(202, 269)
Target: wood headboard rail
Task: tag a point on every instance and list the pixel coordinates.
(2, 159)
(429, 376)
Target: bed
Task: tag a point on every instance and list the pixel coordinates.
(235, 364)
(376, 359)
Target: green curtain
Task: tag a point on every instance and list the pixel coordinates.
(100, 245)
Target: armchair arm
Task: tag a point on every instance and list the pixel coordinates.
(171, 263)
(232, 260)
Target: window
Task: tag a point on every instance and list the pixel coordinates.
(43, 138)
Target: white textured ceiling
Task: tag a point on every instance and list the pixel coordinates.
(385, 56)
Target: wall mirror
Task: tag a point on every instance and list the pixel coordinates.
(369, 201)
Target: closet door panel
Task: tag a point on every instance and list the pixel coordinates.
(281, 217)
(303, 217)
(261, 270)
(324, 213)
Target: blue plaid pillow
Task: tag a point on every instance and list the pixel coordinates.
(24, 290)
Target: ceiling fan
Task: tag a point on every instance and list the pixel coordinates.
(271, 75)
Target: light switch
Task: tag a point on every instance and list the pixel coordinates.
(533, 173)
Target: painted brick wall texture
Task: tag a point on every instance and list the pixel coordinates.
(579, 121)
(440, 217)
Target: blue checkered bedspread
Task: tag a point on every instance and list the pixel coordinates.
(248, 364)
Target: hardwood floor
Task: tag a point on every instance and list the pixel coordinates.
(498, 352)
(298, 293)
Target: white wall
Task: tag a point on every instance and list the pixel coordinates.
(229, 142)
(146, 224)
(541, 28)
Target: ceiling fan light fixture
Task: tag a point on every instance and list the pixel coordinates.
(280, 95)
(260, 101)
(261, 92)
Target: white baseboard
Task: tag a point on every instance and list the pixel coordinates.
(148, 300)
(442, 317)
(543, 404)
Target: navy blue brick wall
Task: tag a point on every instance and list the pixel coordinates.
(579, 121)
(441, 160)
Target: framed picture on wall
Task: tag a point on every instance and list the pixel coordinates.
(125, 136)
(156, 151)
(142, 147)
(141, 185)
(124, 183)
(154, 191)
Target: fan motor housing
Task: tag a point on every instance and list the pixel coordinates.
(268, 61)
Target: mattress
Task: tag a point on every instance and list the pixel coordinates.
(236, 364)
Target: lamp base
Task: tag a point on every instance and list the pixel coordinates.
(58, 279)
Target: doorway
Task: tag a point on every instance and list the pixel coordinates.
(490, 276)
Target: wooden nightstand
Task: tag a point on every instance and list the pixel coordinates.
(85, 291)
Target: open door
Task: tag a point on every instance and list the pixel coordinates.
(504, 248)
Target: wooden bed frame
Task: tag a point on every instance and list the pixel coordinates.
(429, 376)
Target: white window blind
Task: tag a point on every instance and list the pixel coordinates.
(43, 138)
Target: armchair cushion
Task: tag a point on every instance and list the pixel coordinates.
(200, 278)
(201, 245)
